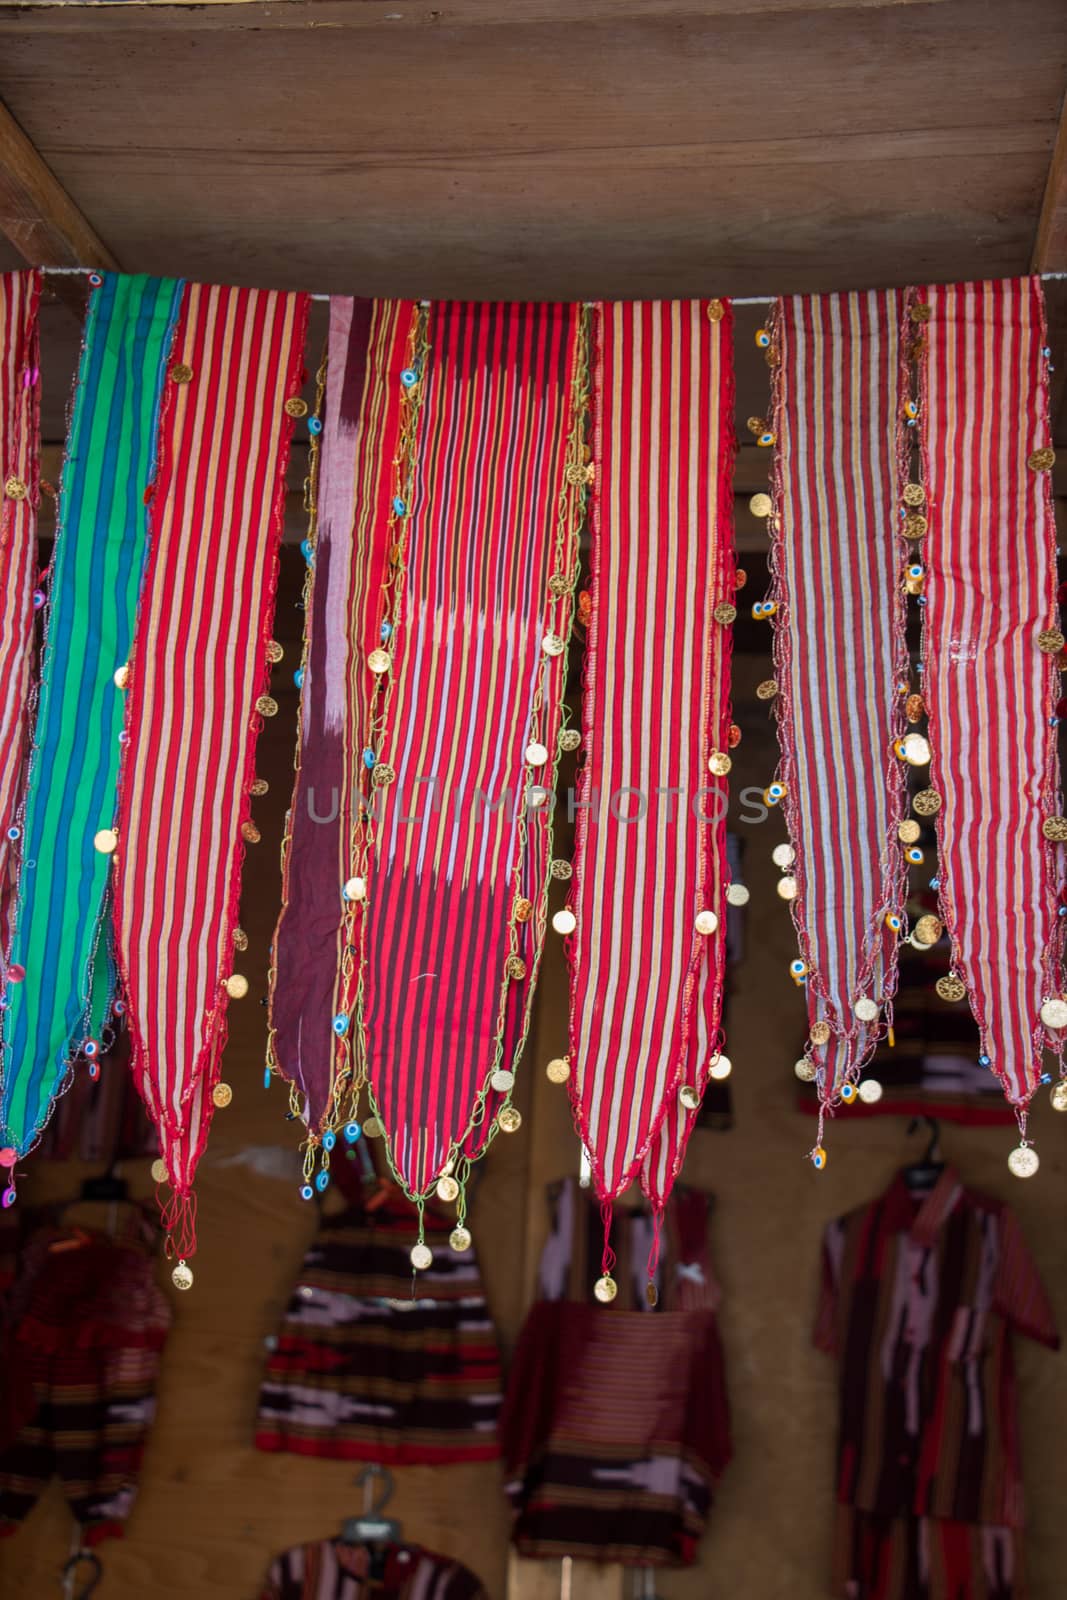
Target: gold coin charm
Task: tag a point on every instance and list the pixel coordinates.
(182, 1276)
(914, 526)
(561, 870)
(558, 585)
(250, 833)
(914, 494)
(716, 310)
(372, 1128)
(459, 1239)
(502, 1081)
(259, 786)
(928, 929)
(515, 967)
(605, 1289)
(221, 1095)
(761, 505)
(1059, 1095)
(914, 708)
(725, 613)
(106, 841)
(766, 690)
(570, 739)
(805, 1069)
(921, 312)
(909, 831)
(379, 661)
(1054, 828)
(510, 1119)
(267, 706)
(558, 1070)
(1041, 460)
(240, 939)
(15, 489)
(181, 373)
(158, 1170)
(447, 1189)
(926, 802)
(296, 407)
(950, 987)
(421, 1257)
(523, 908)
(236, 986)
(1054, 1013)
(1024, 1161)
(275, 652)
(689, 1097)
(819, 1033)
(719, 763)
(1051, 641)
(382, 774)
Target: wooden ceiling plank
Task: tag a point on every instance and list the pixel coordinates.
(1050, 245)
(132, 16)
(40, 219)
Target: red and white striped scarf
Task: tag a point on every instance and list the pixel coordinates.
(990, 690)
(199, 662)
(650, 852)
(20, 441)
(841, 658)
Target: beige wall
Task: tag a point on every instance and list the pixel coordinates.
(212, 1509)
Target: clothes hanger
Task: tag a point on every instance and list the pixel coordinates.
(921, 1176)
(69, 1575)
(371, 1528)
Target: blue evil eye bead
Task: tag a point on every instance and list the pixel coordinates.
(119, 1008)
(400, 505)
(266, 1077)
(935, 883)
(315, 425)
(90, 1049)
(369, 759)
(352, 1131)
(774, 793)
(298, 677)
(818, 1158)
(893, 922)
(848, 1093)
(9, 1197)
(305, 549)
(916, 571)
(38, 599)
(765, 438)
(763, 338)
(409, 377)
(14, 833)
(95, 280)
(984, 1061)
(385, 631)
(94, 1070)
(914, 855)
(306, 1192)
(757, 610)
(322, 1181)
(911, 409)
(798, 968)
(340, 1024)
(329, 1139)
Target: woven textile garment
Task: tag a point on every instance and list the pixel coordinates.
(841, 658)
(456, 682)
(199, 668)
(991, 671)
(20, 394)
(101, 549)
(650, 870)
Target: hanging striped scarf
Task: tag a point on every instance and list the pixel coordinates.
(200, 661)
(20, 398)
(650, 856)
(990, 652)
(101, 548)
(482, 535)
(367, 345)
(841, 660)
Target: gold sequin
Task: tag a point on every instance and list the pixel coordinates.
(926, 802)
(523, 908)
(275, 652)
(950, 987)
(559, 585)
(1055, 828)
(515, 967)
(267, 706)
(447, 1189)
(296, 407)
(250, 833)
(766, 690)
(240, 939)
(819, 1033)
(181, 373)
(510, 1119)
(382, 773)
(909, 831)
(914, 526)
(570, 739)
(15, 489)
(725, 612)
(761, 505)
(928, 929)
(914, 494)
(716, 310)
(1051, 641)
(921, 312)
(561, 870)
(757, 425)
(221, 1095)
(1041, 460)
(236, 986)
(605, 1289)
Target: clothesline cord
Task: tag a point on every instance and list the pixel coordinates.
(737, 300)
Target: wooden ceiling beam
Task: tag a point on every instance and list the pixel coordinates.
(1050, 245)
(39, 217)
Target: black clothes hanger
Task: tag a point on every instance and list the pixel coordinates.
(921, 1176)
(69, 1575)
(371, 1528)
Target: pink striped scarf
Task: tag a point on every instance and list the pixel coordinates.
(841, 661)
(990, 688)
(20, 398)
(650, 865)
(199, 667)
